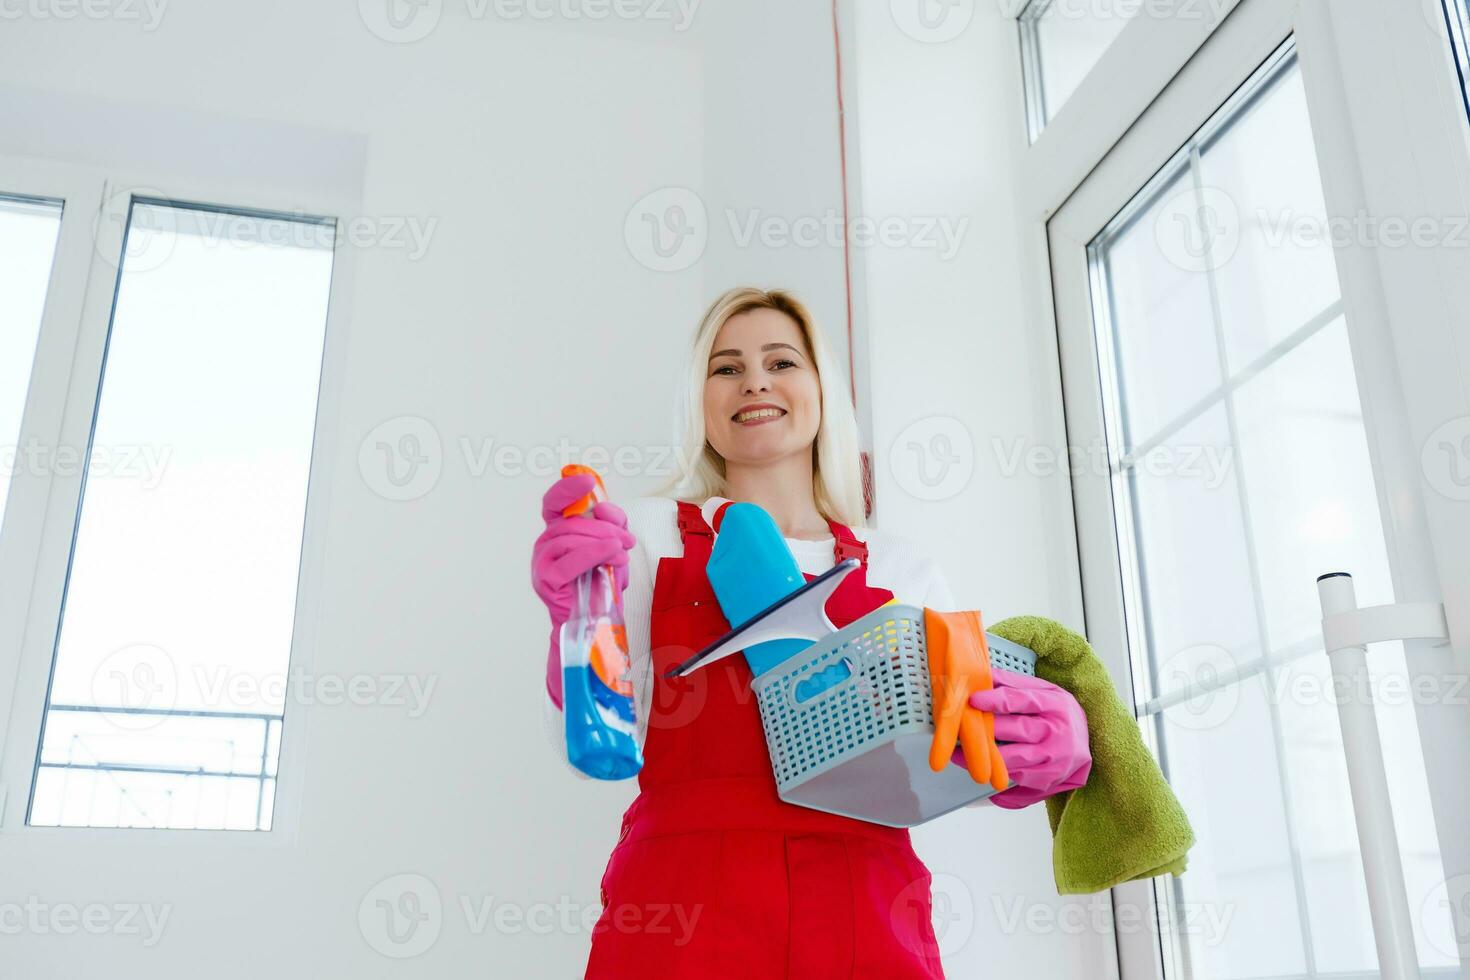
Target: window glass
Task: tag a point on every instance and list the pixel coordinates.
(1060, 42)
(168, 689)
(1244, 474)
(28, 230)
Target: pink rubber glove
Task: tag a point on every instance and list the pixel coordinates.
(569, 547)
(1042, 732)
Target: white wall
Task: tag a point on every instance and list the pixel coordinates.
(528, 142)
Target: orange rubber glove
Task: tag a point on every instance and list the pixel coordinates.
(959, 665)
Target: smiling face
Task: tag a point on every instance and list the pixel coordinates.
(760, 358)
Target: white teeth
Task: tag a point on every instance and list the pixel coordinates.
(760, 413)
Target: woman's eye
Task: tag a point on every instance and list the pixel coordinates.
(730, 367)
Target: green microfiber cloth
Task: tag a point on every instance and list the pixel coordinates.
(1124, 823)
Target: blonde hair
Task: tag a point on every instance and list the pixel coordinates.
(837, 482)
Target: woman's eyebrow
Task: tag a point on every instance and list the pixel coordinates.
(731, 350)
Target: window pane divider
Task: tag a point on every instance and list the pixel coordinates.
(1253, 560)
(1234, 675)
(1283, 347)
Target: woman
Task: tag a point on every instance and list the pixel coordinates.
(714, 875)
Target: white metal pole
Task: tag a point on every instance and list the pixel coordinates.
(1388, 901)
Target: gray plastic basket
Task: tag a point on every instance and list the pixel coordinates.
(849, 722)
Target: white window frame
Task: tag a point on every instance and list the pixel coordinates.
(1458, 16)
(36, 539)
(1388, 150)
(1031, 74)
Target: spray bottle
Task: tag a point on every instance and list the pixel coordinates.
(597, 696)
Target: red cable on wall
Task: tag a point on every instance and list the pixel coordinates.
(842, 159)
(865, 461)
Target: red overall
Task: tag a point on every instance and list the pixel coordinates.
(714, 875)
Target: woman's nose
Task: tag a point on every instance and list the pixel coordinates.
(756, 382)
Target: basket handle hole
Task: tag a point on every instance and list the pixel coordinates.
(823, 680)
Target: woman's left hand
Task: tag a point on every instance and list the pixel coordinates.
(1042, 732)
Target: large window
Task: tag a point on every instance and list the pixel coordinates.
(1241, 473)
(168, 686)
(28, 230)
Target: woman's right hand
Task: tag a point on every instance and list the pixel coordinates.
(570, 546)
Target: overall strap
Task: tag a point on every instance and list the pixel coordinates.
(719, 514)
(846, 545)
(698, 539)
(694, 532)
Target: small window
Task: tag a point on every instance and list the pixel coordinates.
(1061, 40)
(28, 230)
(168, 687)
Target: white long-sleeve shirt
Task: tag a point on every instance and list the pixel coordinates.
(894, 563)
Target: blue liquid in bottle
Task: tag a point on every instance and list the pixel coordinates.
(602, 737)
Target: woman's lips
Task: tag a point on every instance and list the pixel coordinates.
(761, 421)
